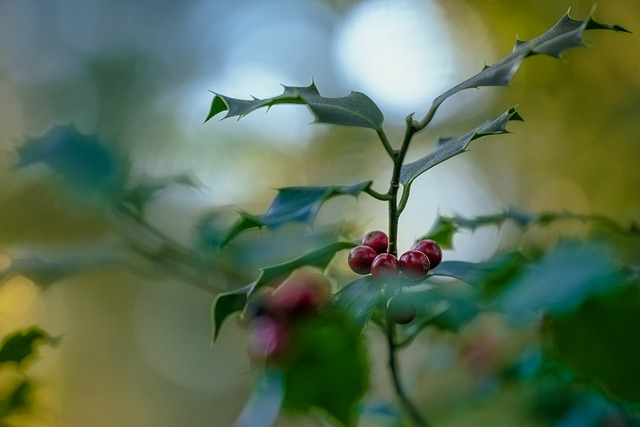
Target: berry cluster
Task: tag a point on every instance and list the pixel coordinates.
(272, 313)
(372, 258)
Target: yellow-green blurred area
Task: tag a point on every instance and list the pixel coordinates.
(135, 341)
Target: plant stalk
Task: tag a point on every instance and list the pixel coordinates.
(397, 385)
(395, 210)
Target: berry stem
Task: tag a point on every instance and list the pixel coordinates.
(395, 376)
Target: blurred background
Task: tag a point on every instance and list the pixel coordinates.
(138, 75)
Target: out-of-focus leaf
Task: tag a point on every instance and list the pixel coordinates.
(468, 272)
(45, 273)
(327, 368)
(600, 341)
(450, 147)
(358, 299)
(488, 276)
(264, 406)
(356, 109)
(84, 162)
(229, 303)
(140, 191)
(42, 273)
(18, 400)
(293, 204)
(20, 346)
(445, 309)
(565, 34)
(442, 232)
(562, 279)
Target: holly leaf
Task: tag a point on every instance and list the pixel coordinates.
(226, 305)
(450, 147)
(229, 303)
(562, 279)
(358, 299)
(327, 368)
(40, 272)
(600, 341)
(85, 163)
(442, 232)
(18, 400)
(293, 204)
(140, 191)
(20, 346)
(263, 407)
(468, 272)
(355, 109)
(565, 34)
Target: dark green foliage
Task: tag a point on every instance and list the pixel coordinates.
(600, 341)
(450, 147)
(562, 279)
(140, 191)
(229, 303)
(356, 109)
(293, 204)
(21, 346)
(358, 299)
(84, 162)
(18, 400)
(327, 368)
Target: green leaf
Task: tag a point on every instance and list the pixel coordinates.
(140, 191)
(358, 299)
(293, 204)
(229, 303)
(490, 276)
(18, 400)
(356, 109)
(450, 147)
(562, 279)
(42, 273)
(442, 232)
(319, 258)
(469, 272)
(443, 308)
(20, 346)
(600, 341)
(264, 406)
(327, 368)
(565, 34)
(85, 163)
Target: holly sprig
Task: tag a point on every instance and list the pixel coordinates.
(357, 109)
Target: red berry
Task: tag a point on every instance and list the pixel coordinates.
(268, 338)
(360, 259)
(431, 250)
(414, 265)
(401, 309)
(385, 267)
(376, 240)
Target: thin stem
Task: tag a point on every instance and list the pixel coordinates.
(429, 116)
(387, 145)
(373, 193)
(394, 212)
(395, 376)
(406, 190)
